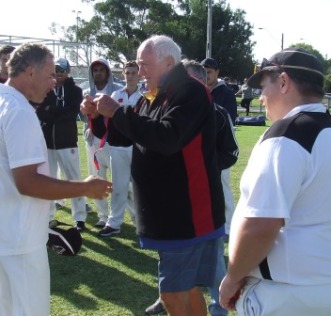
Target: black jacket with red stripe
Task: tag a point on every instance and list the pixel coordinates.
(177, 186)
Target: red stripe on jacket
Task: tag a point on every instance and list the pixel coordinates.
(199, 190)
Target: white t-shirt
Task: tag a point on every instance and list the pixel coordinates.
(285, 180)
(23, 219)
(121, 96)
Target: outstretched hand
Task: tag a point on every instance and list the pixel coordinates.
(106, 105)
(88, 107)
(97, 188)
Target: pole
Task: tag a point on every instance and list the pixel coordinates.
(209, 29)
(275, 39)
(77, 46)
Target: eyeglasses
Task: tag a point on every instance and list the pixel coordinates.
(60, 70)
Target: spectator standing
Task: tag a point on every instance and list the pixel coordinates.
(174, 172)
(5, 52)
(25, 185)
(121, 156)
(280, 241)
(221, 93)
(247, 96)
(224, 97)
(58, 118)
(101, 81)
(227, 155)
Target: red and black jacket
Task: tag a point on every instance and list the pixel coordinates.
(177, 186)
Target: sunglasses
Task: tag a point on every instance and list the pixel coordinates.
(60, 70)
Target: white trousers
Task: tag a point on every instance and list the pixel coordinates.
(68, 161)
(121, 172)
(228, 198)
(25, 284)
(268, 298)
(103, 158)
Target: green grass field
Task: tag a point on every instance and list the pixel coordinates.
(114, 276)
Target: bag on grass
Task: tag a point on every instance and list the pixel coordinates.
(251, 120)
(64, 241)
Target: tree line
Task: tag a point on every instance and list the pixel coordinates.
(118, 27)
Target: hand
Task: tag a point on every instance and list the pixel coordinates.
(106, 105)
(97, 188)
(230, 292)
(88, 107)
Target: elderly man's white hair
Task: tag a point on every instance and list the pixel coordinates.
(162, 46)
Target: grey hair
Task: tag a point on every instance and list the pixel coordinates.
(162, 46)
(197, 69)
(27, 55)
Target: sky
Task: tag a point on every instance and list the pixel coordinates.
(298, 21)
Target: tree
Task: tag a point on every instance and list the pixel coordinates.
(118, 27)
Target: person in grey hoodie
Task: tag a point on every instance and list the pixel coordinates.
(101, 81)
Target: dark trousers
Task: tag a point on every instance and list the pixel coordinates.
(245, 103)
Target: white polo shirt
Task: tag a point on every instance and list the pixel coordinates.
(121, 96)
(289, 176)
(23, 219)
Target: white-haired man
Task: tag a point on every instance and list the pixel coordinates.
(180, 211)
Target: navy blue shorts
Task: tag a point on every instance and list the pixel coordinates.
(182, 269)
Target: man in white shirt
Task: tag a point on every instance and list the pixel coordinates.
(280, 241)
(25, 185)
(121, 156)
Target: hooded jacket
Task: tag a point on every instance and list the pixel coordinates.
(111, 85)
(58, 116)
(224, 97)
(99, 124)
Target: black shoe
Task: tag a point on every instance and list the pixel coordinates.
(108, 231)
(156, 308)
(80, 226)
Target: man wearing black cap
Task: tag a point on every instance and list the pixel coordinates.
(280, 241)
(224, 96)
(221, 93)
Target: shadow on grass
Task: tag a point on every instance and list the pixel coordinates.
(108, 275)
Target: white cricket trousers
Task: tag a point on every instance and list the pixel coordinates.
(228, 198)
(68, 161)
(120, 163)
(268, 298)
(25, 284)
(103, 157)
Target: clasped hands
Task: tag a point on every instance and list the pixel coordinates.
(102, 104)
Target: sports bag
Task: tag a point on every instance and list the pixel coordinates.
(64, 241)
(251, 120)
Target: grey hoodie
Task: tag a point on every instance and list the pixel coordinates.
(110, 88)
(111, 85)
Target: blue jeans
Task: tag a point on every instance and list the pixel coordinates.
(214, 307)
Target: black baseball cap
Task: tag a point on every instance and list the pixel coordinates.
(210, 63)
(294, 59)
